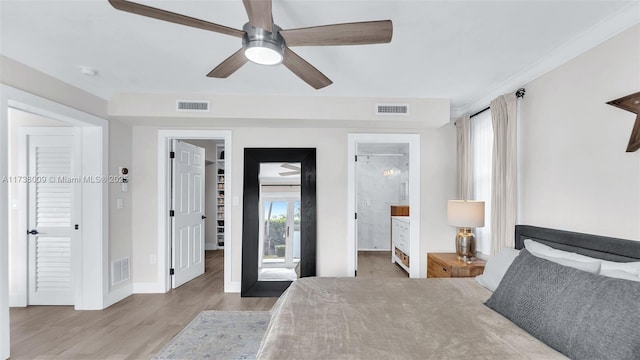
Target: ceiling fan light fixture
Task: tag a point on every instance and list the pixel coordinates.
(263, 53)
(263, 47)
(264, 42)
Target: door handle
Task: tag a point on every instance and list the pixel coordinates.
(32, 232)
(203, 217)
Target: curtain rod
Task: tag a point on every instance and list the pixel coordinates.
(519, 94)
(480, 112)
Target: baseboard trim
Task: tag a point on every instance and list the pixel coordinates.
(148, 288)
(119, 294)
(232, 287)
(17, 301)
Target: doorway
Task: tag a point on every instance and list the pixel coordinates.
(382, 178)
(91, 292)
(37, 145)
(386, 169)
(216, 197)
(50, 158)
(280, 222)
(44, 147)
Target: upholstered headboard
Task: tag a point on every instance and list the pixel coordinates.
(601, 247)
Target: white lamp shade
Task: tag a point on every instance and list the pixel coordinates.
(465, 213)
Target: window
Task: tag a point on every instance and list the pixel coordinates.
(481, 161)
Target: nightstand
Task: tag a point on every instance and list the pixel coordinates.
(447, 265)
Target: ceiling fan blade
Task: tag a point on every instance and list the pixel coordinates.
(169, 16)
(260, 13)
(229, 66)
(304, 70)
(289, 173)
(290, 167)
(358, 33)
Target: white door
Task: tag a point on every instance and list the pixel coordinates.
(53, 193)
(188, 212)
(280, 245)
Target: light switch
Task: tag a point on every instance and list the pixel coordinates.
(120, 203)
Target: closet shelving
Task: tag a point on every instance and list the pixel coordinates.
(220, 195)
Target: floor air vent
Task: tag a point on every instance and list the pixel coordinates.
(193, 105)
(120, 271)
(392, 109)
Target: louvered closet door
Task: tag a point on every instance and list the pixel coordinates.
(53, 193)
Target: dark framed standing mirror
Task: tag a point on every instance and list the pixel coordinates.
(278, 219)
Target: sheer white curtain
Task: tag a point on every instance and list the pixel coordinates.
(503, 193)
(481, 160)
(463, 139)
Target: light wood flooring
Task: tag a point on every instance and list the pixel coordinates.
(378, 264)
(138, 326)
(135, 328)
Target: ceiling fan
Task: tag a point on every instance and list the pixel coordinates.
(265, 43)
(295, 170)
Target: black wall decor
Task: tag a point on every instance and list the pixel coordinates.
(250, 285)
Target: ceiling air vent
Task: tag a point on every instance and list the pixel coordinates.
(392, 109)
(193, 105)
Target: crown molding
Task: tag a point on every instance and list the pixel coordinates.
(618, 22)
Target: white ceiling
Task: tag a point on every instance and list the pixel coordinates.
(462, 50)
(270, 174)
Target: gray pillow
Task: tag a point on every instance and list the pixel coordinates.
(496, 267)
(582, 315)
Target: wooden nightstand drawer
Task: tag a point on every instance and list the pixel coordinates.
(436, 270)
(446, 265)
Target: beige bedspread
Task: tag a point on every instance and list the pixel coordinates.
(356, 318)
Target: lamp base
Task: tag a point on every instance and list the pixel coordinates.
(465, 244)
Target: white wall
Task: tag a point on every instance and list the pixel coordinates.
(120, 242)
(144, 205)
(575, 173)
(438, 174)
(278, 110)
(27, 79)
(438, 170)
(24, 78)
(4, 234)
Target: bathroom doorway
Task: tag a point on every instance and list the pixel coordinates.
(379, 178)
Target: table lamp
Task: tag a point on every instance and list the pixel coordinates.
(465, 214)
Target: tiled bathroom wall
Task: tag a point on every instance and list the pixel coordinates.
(381, 181)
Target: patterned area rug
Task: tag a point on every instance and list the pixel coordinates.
(219, 335)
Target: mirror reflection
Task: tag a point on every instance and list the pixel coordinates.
(279, 232)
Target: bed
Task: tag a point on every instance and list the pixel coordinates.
(357, 318)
